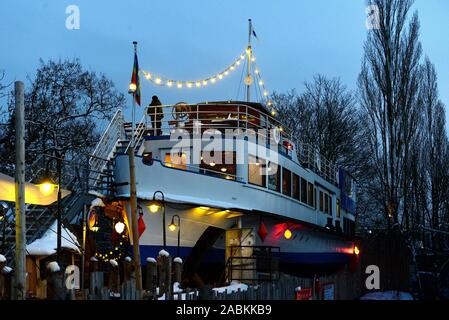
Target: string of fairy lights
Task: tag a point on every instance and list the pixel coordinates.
(160, 80)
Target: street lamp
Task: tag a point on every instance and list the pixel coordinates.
(173, 226)
(46, 186)
(154, 206)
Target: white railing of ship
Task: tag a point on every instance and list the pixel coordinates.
(107, 143)
(136, 141)
(183, 117)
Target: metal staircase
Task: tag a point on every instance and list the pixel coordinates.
(98, 177)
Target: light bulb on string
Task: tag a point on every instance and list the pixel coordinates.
(158, 80)
(169, 83)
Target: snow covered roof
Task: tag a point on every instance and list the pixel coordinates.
(47, 244)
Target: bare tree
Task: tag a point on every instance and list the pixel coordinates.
(435, 154)
(388, 87)
(324, 115)
(63, 107)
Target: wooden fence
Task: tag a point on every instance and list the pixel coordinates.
(163, 273)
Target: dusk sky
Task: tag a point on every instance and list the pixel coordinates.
(193, 39)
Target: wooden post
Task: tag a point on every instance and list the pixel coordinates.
(135, 232)
(55, 279)
(164, 271)
(114, 280)
(151, 277)
(2, 278)
(129, 284)
(20, 269)
(96, 280)
(177, 270)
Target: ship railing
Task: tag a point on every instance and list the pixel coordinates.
(184, 118)
(107, 143)
(261, 265)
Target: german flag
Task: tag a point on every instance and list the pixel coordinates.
(135, 79)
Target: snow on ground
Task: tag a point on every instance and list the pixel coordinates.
(53, 266)
(176, 287)
(93, 258)
(128, 259)
(46, 245)
(387, 295)
(233, 287)
(2, 258)
(151, 260)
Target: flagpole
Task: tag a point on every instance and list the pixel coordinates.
(249, 51)
(133, 194)
(134, 103)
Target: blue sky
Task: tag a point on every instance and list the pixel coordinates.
(193, 39)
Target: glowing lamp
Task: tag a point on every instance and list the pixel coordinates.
(356, 251)
(46, 185)
(158, 80)
(46, 188)
(172, 227)
(287, 234)
(119, 227)
(132, 88)
(154, 206)
(223, 169)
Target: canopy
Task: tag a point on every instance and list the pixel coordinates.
(33, 194)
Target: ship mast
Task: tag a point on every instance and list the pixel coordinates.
(248, 79)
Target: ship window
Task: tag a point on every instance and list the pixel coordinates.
(256, 173)
(326, 203)
(178, 161)
(321, 201)
(338, 208)
(274, 174)
(286, 182)
(224, 168)
(310, 194)
(295, 186)
(303, 190)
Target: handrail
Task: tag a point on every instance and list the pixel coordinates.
(242, 117)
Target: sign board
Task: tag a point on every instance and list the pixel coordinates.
(304, 294)
(329, 291)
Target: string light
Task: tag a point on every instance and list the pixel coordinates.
(162, 81)
(200, 83)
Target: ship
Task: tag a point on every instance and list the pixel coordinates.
(225, 187)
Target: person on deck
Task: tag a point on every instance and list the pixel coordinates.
(156, 113)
